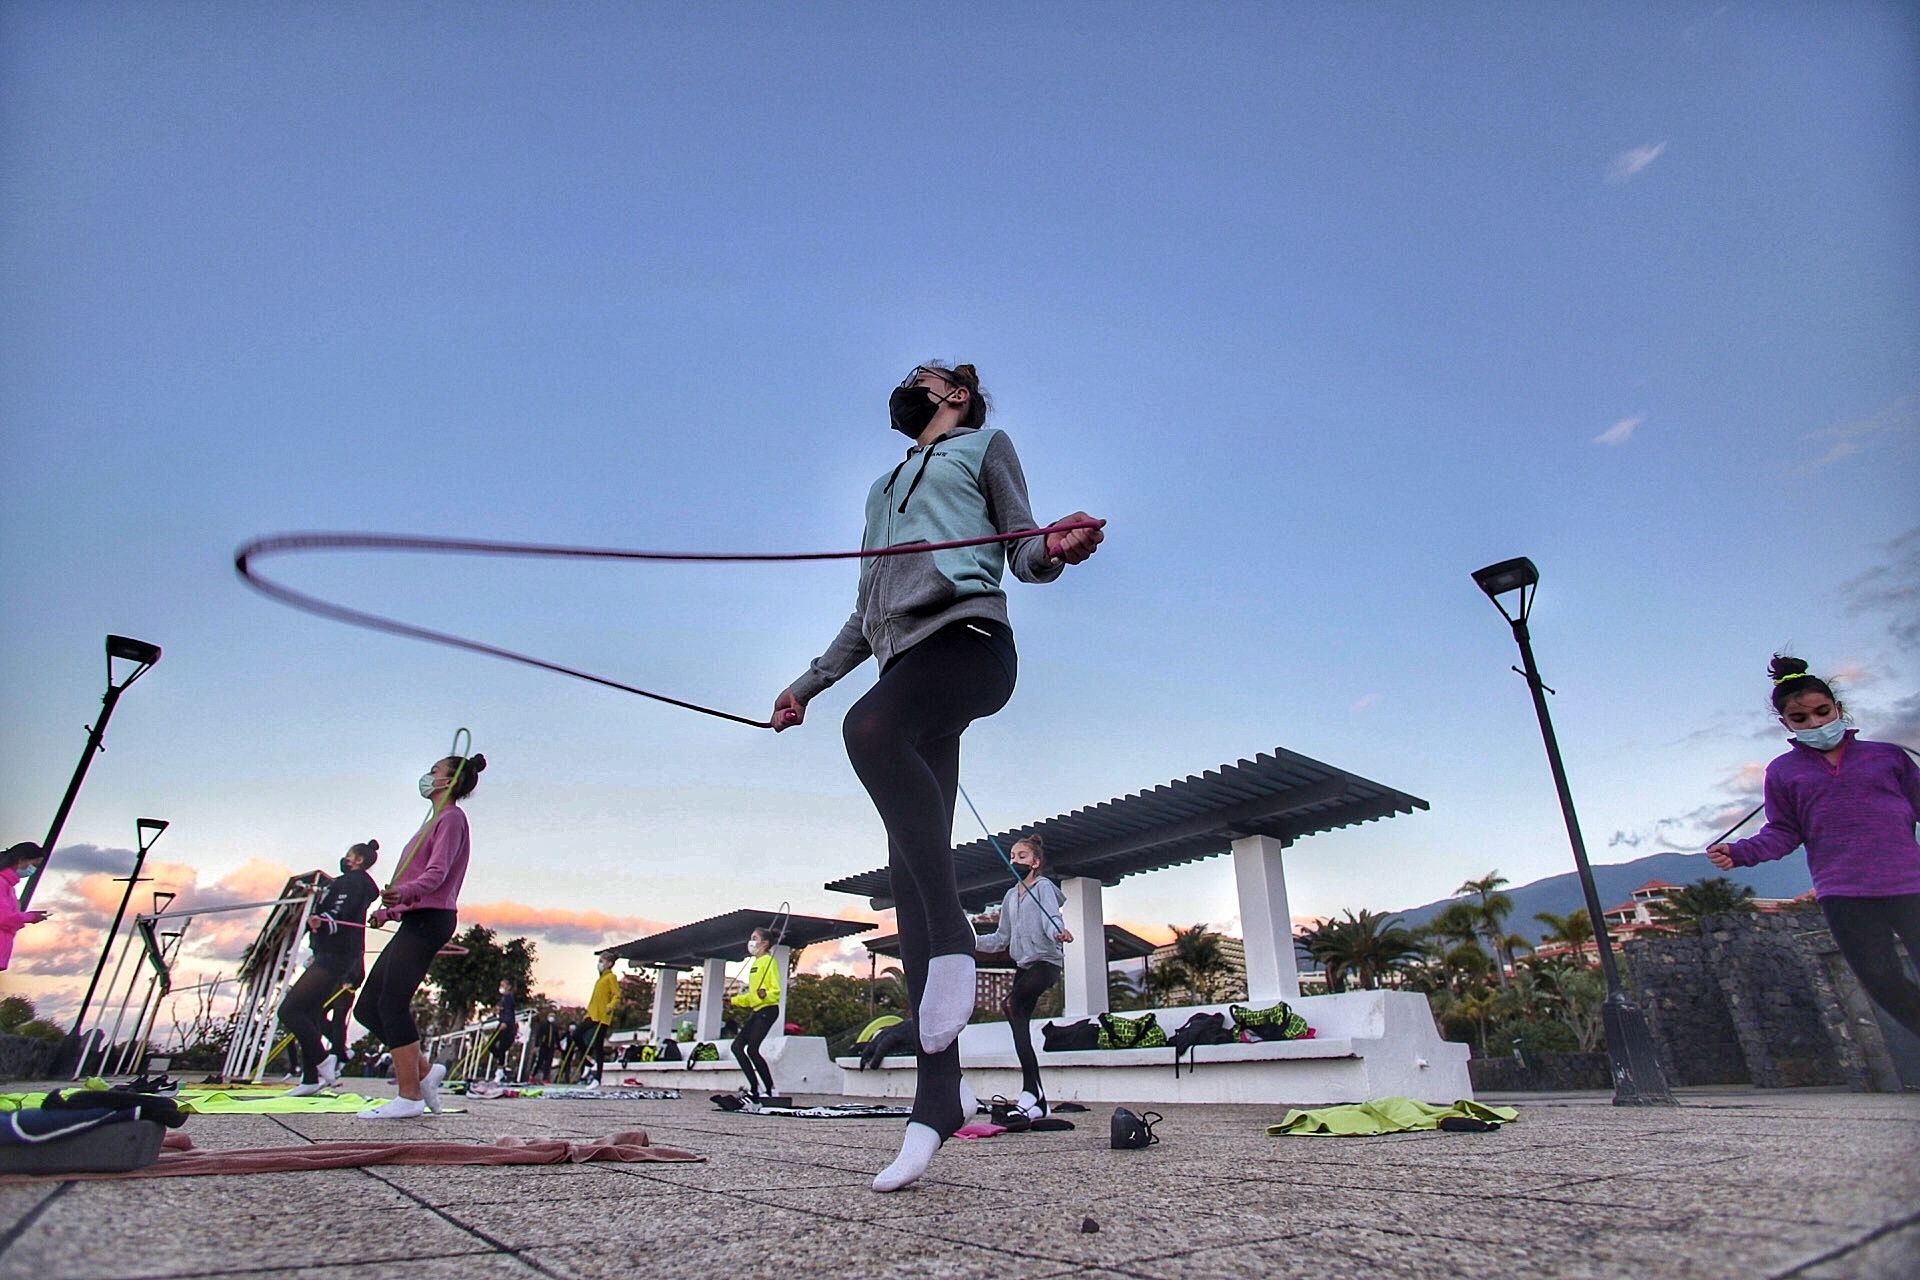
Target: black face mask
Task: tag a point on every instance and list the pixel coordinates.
(344, 866)
(911, 409)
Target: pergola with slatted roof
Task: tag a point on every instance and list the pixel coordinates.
(1252, 809)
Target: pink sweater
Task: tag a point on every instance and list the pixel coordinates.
(12, 918)
(434, 874)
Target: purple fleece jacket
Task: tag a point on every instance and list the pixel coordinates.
(1856, 819)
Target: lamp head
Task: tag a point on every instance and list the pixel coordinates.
(149, 830)
(1517, 574)
(127, 649)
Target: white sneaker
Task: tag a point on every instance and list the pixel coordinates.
(329, 1071)
(430, 1086)
(304, 1090)
(396, 1109)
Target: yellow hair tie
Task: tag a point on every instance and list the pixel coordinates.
(1796, 675)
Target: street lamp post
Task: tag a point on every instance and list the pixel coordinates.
(1637, 1078)
(125, 649)
(146, 831)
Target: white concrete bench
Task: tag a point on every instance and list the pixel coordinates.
(1366, 1044)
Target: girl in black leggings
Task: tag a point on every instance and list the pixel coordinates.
(1030, 929)
(339, 940)
(424, 898)
(937, 624)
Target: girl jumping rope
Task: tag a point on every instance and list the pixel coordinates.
(937, 625)
(1028, 930)
(339, 940)
(1853, 804)
(424, 897)
(759, 1002)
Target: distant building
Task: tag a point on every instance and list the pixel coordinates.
(1639, 915)
(1233, 984)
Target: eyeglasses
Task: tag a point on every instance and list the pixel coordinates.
(921, 370)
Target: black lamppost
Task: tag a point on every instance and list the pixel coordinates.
(143, 656)
(1637, 1077)
(146, 831)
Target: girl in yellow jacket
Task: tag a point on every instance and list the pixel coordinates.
(760, 1002)
(599, 1020)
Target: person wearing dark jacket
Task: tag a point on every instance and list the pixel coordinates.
(543, 1038)
(337, 932)
(507, 1032)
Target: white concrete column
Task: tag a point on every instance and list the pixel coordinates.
(1272, 972)
(666, 984)
(782, 959)
(713, 1000)
(1086, 959)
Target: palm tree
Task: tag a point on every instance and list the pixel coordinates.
(1575, 928)
(1693, 903)
(1163, 981)
(1368, 946)
(1197, 951)
(1491, 912)
(1123, 990)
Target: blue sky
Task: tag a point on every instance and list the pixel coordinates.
(1322, 306)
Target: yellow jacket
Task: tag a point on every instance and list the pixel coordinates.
(763, 985)
(606, 994)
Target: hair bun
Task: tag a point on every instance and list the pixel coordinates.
(373, 846)
(1784, 668)
(477, 763)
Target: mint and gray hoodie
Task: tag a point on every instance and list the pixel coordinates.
(966, 484)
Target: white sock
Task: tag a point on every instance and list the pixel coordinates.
(430, 1086)
(1031, 1105)
(969, 1101)
(396, 1109)
(328, 1071)
(916, 1152)
(947, 1002)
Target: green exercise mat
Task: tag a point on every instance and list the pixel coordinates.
(1384, 1115)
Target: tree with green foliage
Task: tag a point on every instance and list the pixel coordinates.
(1366, 946)
(1685, 908)
(1575, 929)
(466, 982)
(1124, 991)
(1490, 909)
(1205, 965)
(19, 1018)
(1163, 983)
(827, 1004)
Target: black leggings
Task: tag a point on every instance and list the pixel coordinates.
(301, 1010)
(385, 1004)
(1865, 929)
(903, 738)
(1029, 984)
(593, 1045)
(746, 1048)
(335, 1017)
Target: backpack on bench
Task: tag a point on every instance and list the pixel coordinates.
(1201, 1028)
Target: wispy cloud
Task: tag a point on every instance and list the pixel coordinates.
(1891, 589)
(1691, 830)
(1365, 701)
(1843, 440)
(556, 924)
(1621, 431)
(1630, 163)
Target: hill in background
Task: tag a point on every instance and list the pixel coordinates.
(1561, 895)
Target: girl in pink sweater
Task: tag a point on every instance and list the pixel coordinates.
(423, 897)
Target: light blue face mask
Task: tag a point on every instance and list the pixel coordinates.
(1825, 738)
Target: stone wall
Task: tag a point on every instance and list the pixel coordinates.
(1541, 1073)
(26, 1058)
(1761, 997)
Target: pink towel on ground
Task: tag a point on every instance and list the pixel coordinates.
(979, 1129)
(628, 1146)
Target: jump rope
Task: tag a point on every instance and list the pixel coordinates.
(280, 544)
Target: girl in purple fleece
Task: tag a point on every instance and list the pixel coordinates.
(1853, 804)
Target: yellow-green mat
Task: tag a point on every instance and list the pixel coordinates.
(225, 1102)
(1383, 1115)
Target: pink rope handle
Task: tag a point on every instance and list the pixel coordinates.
(279, 544)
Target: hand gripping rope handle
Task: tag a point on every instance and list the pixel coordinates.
(277, 544)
